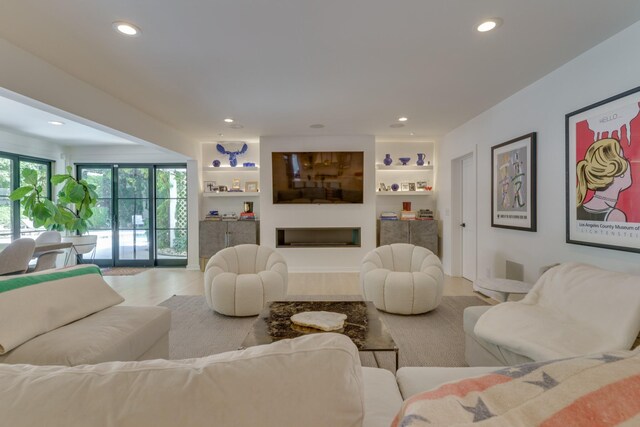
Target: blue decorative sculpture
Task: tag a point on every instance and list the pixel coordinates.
(233, 155)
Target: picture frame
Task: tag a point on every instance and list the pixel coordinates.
(412, 186)
(404, 186)
(602, 173)
(210, 187)
(513, 184)
(235, 184)
(421, 186)
(251, 186)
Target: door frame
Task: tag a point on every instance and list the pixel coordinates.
(456, 212)
(153, 260)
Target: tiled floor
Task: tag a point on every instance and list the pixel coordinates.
(156, 285)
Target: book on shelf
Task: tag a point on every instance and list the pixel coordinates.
(407, 215)
(388, 216)
(247, 216)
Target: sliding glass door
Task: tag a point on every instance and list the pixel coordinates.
(141, 217)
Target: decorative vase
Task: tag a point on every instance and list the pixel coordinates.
(395, 187)
(420, 161)
(387, 160)
(404, 160)
(216, 163)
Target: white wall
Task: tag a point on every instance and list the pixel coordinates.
(605, 70)
(11, 142)
(341, 215)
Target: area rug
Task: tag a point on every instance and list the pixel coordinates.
(123, 271)
(431, 339)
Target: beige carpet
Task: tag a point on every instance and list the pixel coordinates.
(432, 339)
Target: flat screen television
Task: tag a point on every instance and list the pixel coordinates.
(317, 177)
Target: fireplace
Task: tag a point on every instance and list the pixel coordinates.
(318, 237)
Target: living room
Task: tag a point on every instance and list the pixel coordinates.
(274, 78)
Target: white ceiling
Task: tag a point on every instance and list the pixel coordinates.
(27, 120)
(279, 66)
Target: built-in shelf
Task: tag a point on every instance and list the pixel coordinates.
(382, 167)
(230, 169)
(403, 193)
(233, 194)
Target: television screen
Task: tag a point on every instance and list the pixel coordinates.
(317, 177)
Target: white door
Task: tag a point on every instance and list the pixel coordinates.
(468, 216)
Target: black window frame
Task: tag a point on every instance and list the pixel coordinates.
(15, 166)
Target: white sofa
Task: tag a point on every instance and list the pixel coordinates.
(72, 317)
(572, 309)
(312, 381)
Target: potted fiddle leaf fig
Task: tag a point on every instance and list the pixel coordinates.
(70, 212)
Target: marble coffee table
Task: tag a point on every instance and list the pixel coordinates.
(363, 325)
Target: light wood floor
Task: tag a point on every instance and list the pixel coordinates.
(156, 285)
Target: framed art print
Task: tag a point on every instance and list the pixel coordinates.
(513, 184)
(210, 187)
(602, 173)
(251, 186)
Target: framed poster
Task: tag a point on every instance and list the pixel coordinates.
(603, 158)
(251, 186)
(513, 184)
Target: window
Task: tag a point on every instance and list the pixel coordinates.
(13, 224)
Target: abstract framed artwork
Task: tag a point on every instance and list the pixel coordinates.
(602, 163)
(513, 184)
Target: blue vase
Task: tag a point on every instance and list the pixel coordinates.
(387, 159)
(216, 163)
(395, 187)
(420, 161)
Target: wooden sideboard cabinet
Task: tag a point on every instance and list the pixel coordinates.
(217, 235)
(419, 233)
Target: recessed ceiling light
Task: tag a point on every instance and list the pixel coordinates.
(55, 122)
(317, 126)
(396, 125)
(228, 120)
(412, 134)
(402, 119)
(236, 126)
(489, 25)
(220, 134)
(126, 28)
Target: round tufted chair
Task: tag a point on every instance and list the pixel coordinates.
(402, 278)
(239, 280)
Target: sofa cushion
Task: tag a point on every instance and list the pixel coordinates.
(32, 304)
(573, 309)
(115, 333)
(382, 400)
(416, 380)
(310, 381)
(599, 389)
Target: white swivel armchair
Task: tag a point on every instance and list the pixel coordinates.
(240, 280)
(402, 278)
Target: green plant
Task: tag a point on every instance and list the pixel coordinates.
(72, 209)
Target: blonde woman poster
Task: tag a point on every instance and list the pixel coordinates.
(603, 155)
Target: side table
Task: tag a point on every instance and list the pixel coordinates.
(504, 287)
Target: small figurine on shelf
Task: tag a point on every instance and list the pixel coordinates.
(420, 161)
(216, 163)
(387, 160)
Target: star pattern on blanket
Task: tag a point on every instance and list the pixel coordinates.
(521, 370)
(480, 411)
(409, 419)
(547, 382)
(608, 358)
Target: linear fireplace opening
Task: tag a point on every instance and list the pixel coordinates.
(318, 237)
